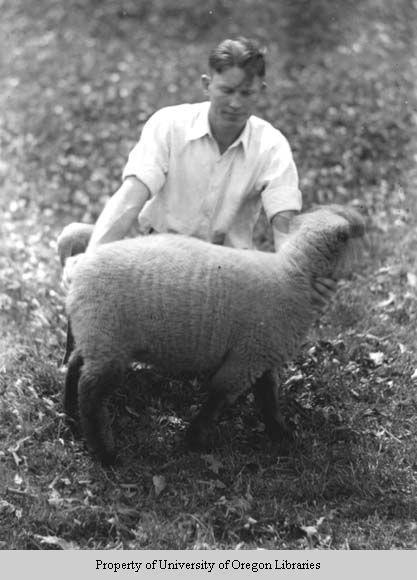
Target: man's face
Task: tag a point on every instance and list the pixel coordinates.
(233, 97)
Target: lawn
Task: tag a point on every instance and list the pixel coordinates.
(78, 81)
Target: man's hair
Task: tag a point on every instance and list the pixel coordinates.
(244, 53)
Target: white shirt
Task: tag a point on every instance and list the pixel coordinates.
(198, 192)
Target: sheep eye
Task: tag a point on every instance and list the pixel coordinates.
(342, 237)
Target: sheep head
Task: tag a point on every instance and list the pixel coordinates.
(324, 240)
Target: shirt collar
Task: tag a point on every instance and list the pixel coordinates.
(200, 128)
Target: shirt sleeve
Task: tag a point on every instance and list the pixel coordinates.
(148, 160)
(279, 182)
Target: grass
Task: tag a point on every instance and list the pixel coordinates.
(345, 99)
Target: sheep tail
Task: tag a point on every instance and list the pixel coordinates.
(69, 345)
(71, 390)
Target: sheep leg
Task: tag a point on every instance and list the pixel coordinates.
(266, 391)
(94, 390)
(71, 390)
(225, 387)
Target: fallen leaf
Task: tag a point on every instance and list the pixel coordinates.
(55, 499)
(249, 522)
(56, 541)
(414, 375)
(132, 411)
(412, 279)
(212, 463)
(377, 358)
(298, 377)
(387, 302)
(18, 479)
(310, 531)
(159, 483)
(6, 507)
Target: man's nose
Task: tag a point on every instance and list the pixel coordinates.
(235, 101)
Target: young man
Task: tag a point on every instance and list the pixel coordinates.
(204, 169)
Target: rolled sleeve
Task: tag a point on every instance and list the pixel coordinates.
(148, 160)
(279, 183)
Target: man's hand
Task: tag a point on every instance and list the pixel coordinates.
(323, 292)
(281, 226)
(67, 274)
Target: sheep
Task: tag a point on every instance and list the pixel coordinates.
(193, 308)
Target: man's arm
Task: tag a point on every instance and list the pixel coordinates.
(147, 163)
(120, 212)
(115, 221)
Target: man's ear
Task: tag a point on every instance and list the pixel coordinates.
(205, 82)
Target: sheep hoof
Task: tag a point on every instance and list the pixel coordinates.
(279, 433)
(283, 447)
(73, 426)
(105, 450)
(197, 437)
(106, 457)
(108, 460)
